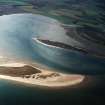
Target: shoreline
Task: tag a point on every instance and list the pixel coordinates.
(66, 47)
(40, 83)
(59, 45)
(45, 78)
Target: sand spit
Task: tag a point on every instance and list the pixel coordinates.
(41, 77)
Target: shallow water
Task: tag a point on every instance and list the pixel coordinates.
(16, 33)
(16, 41)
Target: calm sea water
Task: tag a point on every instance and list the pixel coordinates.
(16, 33)
(16, 41)
(15, 94)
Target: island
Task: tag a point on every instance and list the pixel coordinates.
(28, 74)
(59, 45)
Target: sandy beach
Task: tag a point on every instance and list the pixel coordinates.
(19, 72)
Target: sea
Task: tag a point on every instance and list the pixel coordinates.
(17, 33)
(20, 94)
(17, 40)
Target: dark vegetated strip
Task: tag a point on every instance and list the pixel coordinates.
(61, 45)
(18, 71)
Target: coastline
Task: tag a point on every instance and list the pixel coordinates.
(45, 78)
(59, 45)
(66, 47)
